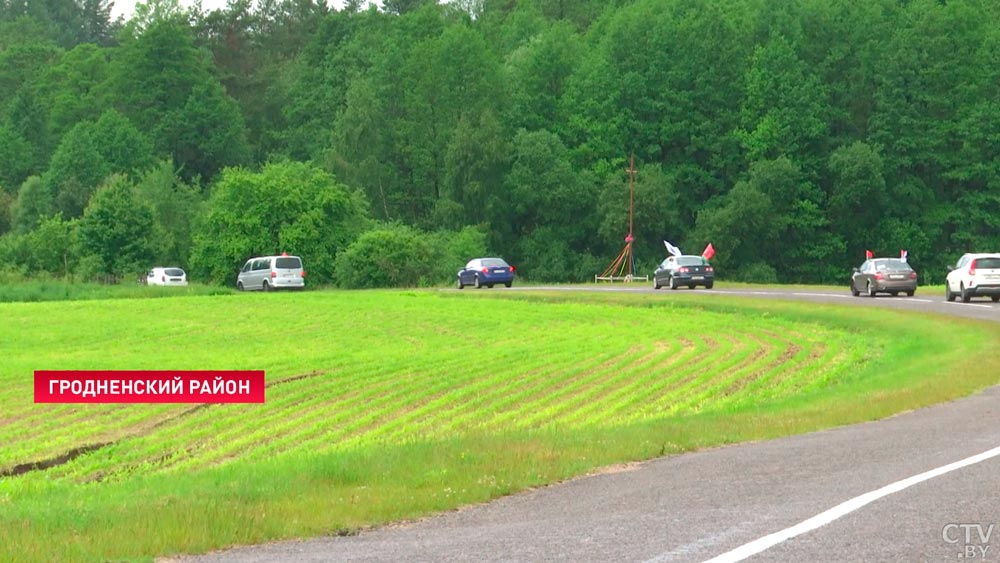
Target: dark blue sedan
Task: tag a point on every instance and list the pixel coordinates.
(486, 271)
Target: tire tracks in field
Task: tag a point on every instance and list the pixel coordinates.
(73, 453)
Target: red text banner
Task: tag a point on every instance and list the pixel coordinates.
(140, 386)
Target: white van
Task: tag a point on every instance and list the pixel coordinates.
(272, 272)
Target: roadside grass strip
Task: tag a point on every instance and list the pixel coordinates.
(387, 405)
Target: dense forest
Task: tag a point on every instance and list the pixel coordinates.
(388, 145)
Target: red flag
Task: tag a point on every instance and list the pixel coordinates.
(902, 255)
(868, 255)
(709, 252)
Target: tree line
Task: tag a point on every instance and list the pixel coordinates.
(386, 146)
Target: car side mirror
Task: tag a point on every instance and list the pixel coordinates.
(857, 271)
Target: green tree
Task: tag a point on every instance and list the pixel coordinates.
(75, 87)
(175, 205)
(542, 192)
(121, 145)
(76, 170)
(857, 201)
(117, 229)
(447, 80)
(15, 159)
(164, 84)
(206, 134)
(785, 112)
(54, 246)
(34, 202)
(286, 207)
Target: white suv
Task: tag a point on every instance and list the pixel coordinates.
(166, 276)
(974, 275)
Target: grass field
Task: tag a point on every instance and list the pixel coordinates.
(384, 406)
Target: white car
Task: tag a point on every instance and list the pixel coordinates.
(972, 276)
(166, 276)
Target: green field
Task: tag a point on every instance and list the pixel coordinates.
(384, 406)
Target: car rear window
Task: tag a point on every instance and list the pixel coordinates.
(988, 263)
(690, 260)
(495, 263)
(892, 264)
(174, 272)
(288, 263)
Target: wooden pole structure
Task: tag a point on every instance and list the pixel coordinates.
(623, 267)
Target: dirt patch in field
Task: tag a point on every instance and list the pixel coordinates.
(145, 429)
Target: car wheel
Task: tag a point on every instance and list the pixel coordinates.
(910, 293)
(460, 284)
(854, 290)
(871, 290)
(267, 286)
(692, 286)
(966, 294)
(895, 294)
(479, 285)
(239, 286)
(995, 298)
(948, 295)
(709, 285)
(656, 284)
(507, 284)
(489, 285)
(671, 282)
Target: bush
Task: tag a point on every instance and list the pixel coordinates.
(391, 256)
(758, 272)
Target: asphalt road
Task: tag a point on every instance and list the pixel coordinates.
(881, 491)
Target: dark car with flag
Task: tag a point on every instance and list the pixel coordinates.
(687, 270)
(884, 275)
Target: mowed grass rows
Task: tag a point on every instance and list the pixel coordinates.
(389, 367)
(384, 406)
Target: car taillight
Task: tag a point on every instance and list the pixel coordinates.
(302, 273)
(486, 270)
(274, 274)
(972, 268)
(709, 269)
(913, 275)
(879, 275)
(683, 270)
(512, 269)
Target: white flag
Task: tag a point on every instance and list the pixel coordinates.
(902, 255)
(672, 249)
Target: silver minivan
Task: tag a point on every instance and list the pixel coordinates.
(272, 272)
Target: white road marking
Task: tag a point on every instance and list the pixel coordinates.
(803, 294)
(921, 300)
(972, 305)
(844, 508)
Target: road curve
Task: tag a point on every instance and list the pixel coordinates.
(893, 487)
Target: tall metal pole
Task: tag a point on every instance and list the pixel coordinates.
(631, 209)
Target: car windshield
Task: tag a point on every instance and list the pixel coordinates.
(288, 263)
(494, 263)
(690, 261)
(891, 264)
(174, 272)
(988, 263)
